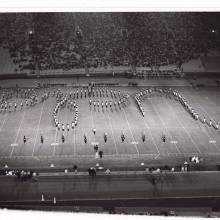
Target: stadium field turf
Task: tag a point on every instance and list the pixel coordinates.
(184, 136)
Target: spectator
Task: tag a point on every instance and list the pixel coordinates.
(75, 168)
(108, 171)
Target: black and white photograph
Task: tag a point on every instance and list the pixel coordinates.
(110, 112)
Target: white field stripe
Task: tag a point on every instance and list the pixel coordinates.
(74, 141)
(19, 128)
(72, 137)
(131, 131)
(164, 125)
(204, 130)
(54, 146)
(16, 138)
(92, 122)
(35, 141)
(146, 125)
(195, 145)
(53, 153)
(157, 156)
(114, 156)
(55, 137)
(199, 106)
(116, 150)
(3, 123)
(210, 138)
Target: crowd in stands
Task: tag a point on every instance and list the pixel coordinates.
(51, 41)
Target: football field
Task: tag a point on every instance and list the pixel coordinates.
(185, 136)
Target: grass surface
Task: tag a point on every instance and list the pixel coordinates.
(184, 136)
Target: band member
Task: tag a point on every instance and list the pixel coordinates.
(63, 138)
(163, 138)
(41, 139)
(25, 139)
(122, 137)
(85, 139)
(143, 137)
(105, 137)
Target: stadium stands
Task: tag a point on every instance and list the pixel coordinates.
(58, 42)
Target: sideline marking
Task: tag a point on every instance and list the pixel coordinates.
(116, 149)
(157, 156)
(195, 145)
(3, 122)
(130, 131)
(164, 125)
(146, 125)
(201, 127)
(38, 128)
(15, 141)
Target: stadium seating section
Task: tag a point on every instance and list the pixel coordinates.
(57, 42)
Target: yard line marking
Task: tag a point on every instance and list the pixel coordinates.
(116, 149)
(55, 138)
(38, 129)
(203, 129)
(195, 145)
(157, 156)
(206, 111)
(19, 128)
(209, 136)
(54, 146)
(74, 141)
(55, 142)
(92, 121)
(3, 122)
(203, 110)
(164, 124)
(146, 125)
(130, 131)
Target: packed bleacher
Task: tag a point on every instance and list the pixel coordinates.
(65, 41)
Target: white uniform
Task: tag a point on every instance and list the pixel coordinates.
(63, 127)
